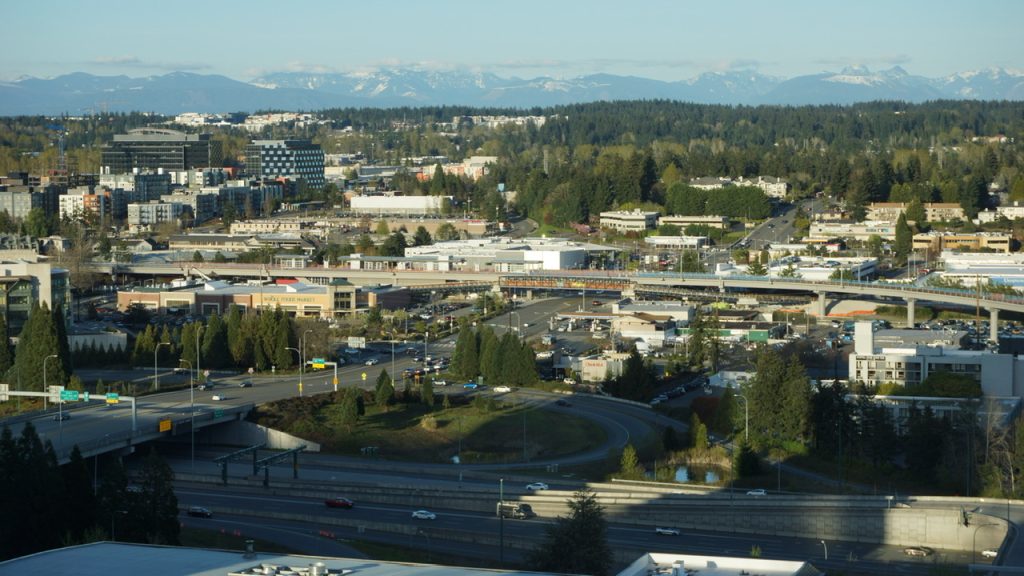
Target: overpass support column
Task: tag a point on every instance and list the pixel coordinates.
(910, 312)
(820, 305)
(993, 325)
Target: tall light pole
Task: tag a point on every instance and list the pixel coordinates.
(60, 402)
(156, 374)
(302, 357)
(826, 547)
(199, 328)
(192, 409)
(501, 521)
(746, 417)
(299, 354)
(974, 543)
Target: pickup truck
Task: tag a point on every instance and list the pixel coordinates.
(516, 510)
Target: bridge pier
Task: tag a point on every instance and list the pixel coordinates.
(993, 324)
(821, 304)
(910, 312)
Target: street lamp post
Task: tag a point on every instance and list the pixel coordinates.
(974, 543)
(156, 374)
(746, 417)
(60, 401)
(199, 329)
(192, 409)
(826, 549)
(302, 357)
(501, 522)
(299, 354)
(426, 338)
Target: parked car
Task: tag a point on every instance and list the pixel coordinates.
(757, 492)
(199, 512)
(501, 389)
(424, 515)
(920, 551)
(536, 486)
(667, 531)
(338, 502)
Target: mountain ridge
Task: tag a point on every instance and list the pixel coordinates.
(177, 92)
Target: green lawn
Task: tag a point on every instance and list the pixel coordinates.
(490, 431)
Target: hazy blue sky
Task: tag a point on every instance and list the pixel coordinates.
(663, 39)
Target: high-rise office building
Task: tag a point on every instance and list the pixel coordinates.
(293, 159)
(154, 148)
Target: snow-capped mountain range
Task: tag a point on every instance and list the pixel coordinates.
(178, 92)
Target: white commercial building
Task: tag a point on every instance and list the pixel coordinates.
(399, 204)
(506, 255)
(629, 221)
(973, 268)
(809, 268)
(719, 222)
(690, 242)
(852, 230)
(875, 363)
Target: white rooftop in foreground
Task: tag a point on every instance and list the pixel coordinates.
(686, 564)
(107, 558)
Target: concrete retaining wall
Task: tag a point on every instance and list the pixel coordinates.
(242, 433)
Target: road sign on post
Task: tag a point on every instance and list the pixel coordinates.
(3, 392)
(364, 376)
(113, 398)
(69, 395)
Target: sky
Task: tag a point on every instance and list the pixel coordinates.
(660, 39)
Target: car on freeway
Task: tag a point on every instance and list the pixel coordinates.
(595, 303)
(339, 502)
(919, 551)
(217, 398)
(757, 492)
(372, 362)
(990, 553)
(61, 416)
(502, 389)
(424, 515)
(667, 531)
(199, 512)
(470, 385)
(440, 382)
(245, 384)
(536, 486)
(563, 403)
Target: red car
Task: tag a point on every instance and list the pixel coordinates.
(339, 503)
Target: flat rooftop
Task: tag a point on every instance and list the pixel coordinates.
(106, 558)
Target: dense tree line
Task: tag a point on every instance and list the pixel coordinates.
(47, 506)
(504, 361)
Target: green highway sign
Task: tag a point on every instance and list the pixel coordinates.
(69, 395)
(218, 413)
(113, 398)
(318, 360)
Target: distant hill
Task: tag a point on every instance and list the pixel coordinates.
(178, 92)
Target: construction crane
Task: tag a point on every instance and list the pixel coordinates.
(61, 159)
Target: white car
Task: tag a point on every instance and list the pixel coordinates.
(217, 398)
(424, 515)
(757, 492)
(502, 389)
(536, 486)
(667, 531)
(372, 361)
(990, 553)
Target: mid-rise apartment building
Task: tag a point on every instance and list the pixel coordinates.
(292, 159)
(936, 242)
(155, 148)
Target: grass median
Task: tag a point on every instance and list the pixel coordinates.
(481, 429)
